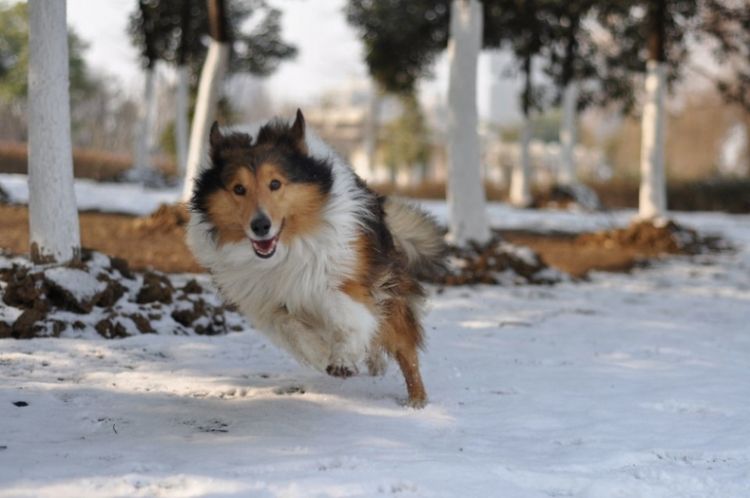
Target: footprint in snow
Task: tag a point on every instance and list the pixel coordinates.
(291, 389)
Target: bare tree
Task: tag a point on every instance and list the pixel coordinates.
(53, 218)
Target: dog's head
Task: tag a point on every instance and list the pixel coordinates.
(264, 192)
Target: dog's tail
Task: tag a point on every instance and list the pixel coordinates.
(417, 235)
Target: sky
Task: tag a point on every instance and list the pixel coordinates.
(330, 54)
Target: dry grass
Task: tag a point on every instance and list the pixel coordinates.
(87, 163)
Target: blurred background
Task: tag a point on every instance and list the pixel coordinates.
(322, 56)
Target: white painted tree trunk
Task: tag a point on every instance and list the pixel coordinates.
(567, 173)
(466, 200)
(53, 216)
(520, 180)
(371, 129)
(652, 203)
(209, 90)
(181, 119)
(144, 139)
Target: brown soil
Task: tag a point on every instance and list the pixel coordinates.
(564, 252)
(157, 242)
(141, 241)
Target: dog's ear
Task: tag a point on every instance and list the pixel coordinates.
(298, 132)
(215, 138)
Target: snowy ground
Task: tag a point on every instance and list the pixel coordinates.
(625, 386)
(108, 197)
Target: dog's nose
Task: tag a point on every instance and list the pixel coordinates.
(260, 225)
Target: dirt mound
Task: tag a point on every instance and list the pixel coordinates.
(168, 218)
(653, 239)
(101, 295)
(494, 263)
(578, 197)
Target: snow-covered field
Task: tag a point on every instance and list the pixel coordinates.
(626, 386)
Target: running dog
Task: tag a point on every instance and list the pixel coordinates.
(317, 261)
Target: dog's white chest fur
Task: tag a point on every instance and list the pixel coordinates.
(294, 297)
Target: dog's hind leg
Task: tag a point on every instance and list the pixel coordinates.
(401, 336)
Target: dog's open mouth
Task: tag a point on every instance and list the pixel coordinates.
(266, 248)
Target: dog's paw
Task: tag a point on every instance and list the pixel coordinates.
(376, 364)
(416, 402)
(342, 371)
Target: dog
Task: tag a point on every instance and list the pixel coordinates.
(317, 261)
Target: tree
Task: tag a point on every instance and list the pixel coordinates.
(465, 189)
(53, 218)
(647, 37)
(519, 24)
(143, 28)
(14, 66)
(212, 75)
(179, 37)
(726, 23)
(569, 56)
(401, 42)
(402, 38)
(258, 51)
(407, 139)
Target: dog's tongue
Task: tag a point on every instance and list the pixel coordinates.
(264, 245)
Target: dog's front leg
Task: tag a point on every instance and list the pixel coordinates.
(304, 342)
(352, 326)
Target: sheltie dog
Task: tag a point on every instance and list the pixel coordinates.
(318, 262)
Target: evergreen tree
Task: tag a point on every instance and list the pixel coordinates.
(14, 64)
(521, 26)
(726, 23)
(176, 31)
(569, 56)
(648, 37)
(406, 140)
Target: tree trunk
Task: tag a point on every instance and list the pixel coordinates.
(652, 202)
(567, 174)
(209, 90)
(144, 140)
(53, 216)
(372, 127)
(466, 200)
(653, 192)
(520, 180)
(181, 119)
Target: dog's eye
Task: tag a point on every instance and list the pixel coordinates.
(239, 189)
(274, 185)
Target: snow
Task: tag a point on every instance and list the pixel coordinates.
(81, 285)
(108, 197)
(630, 385)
